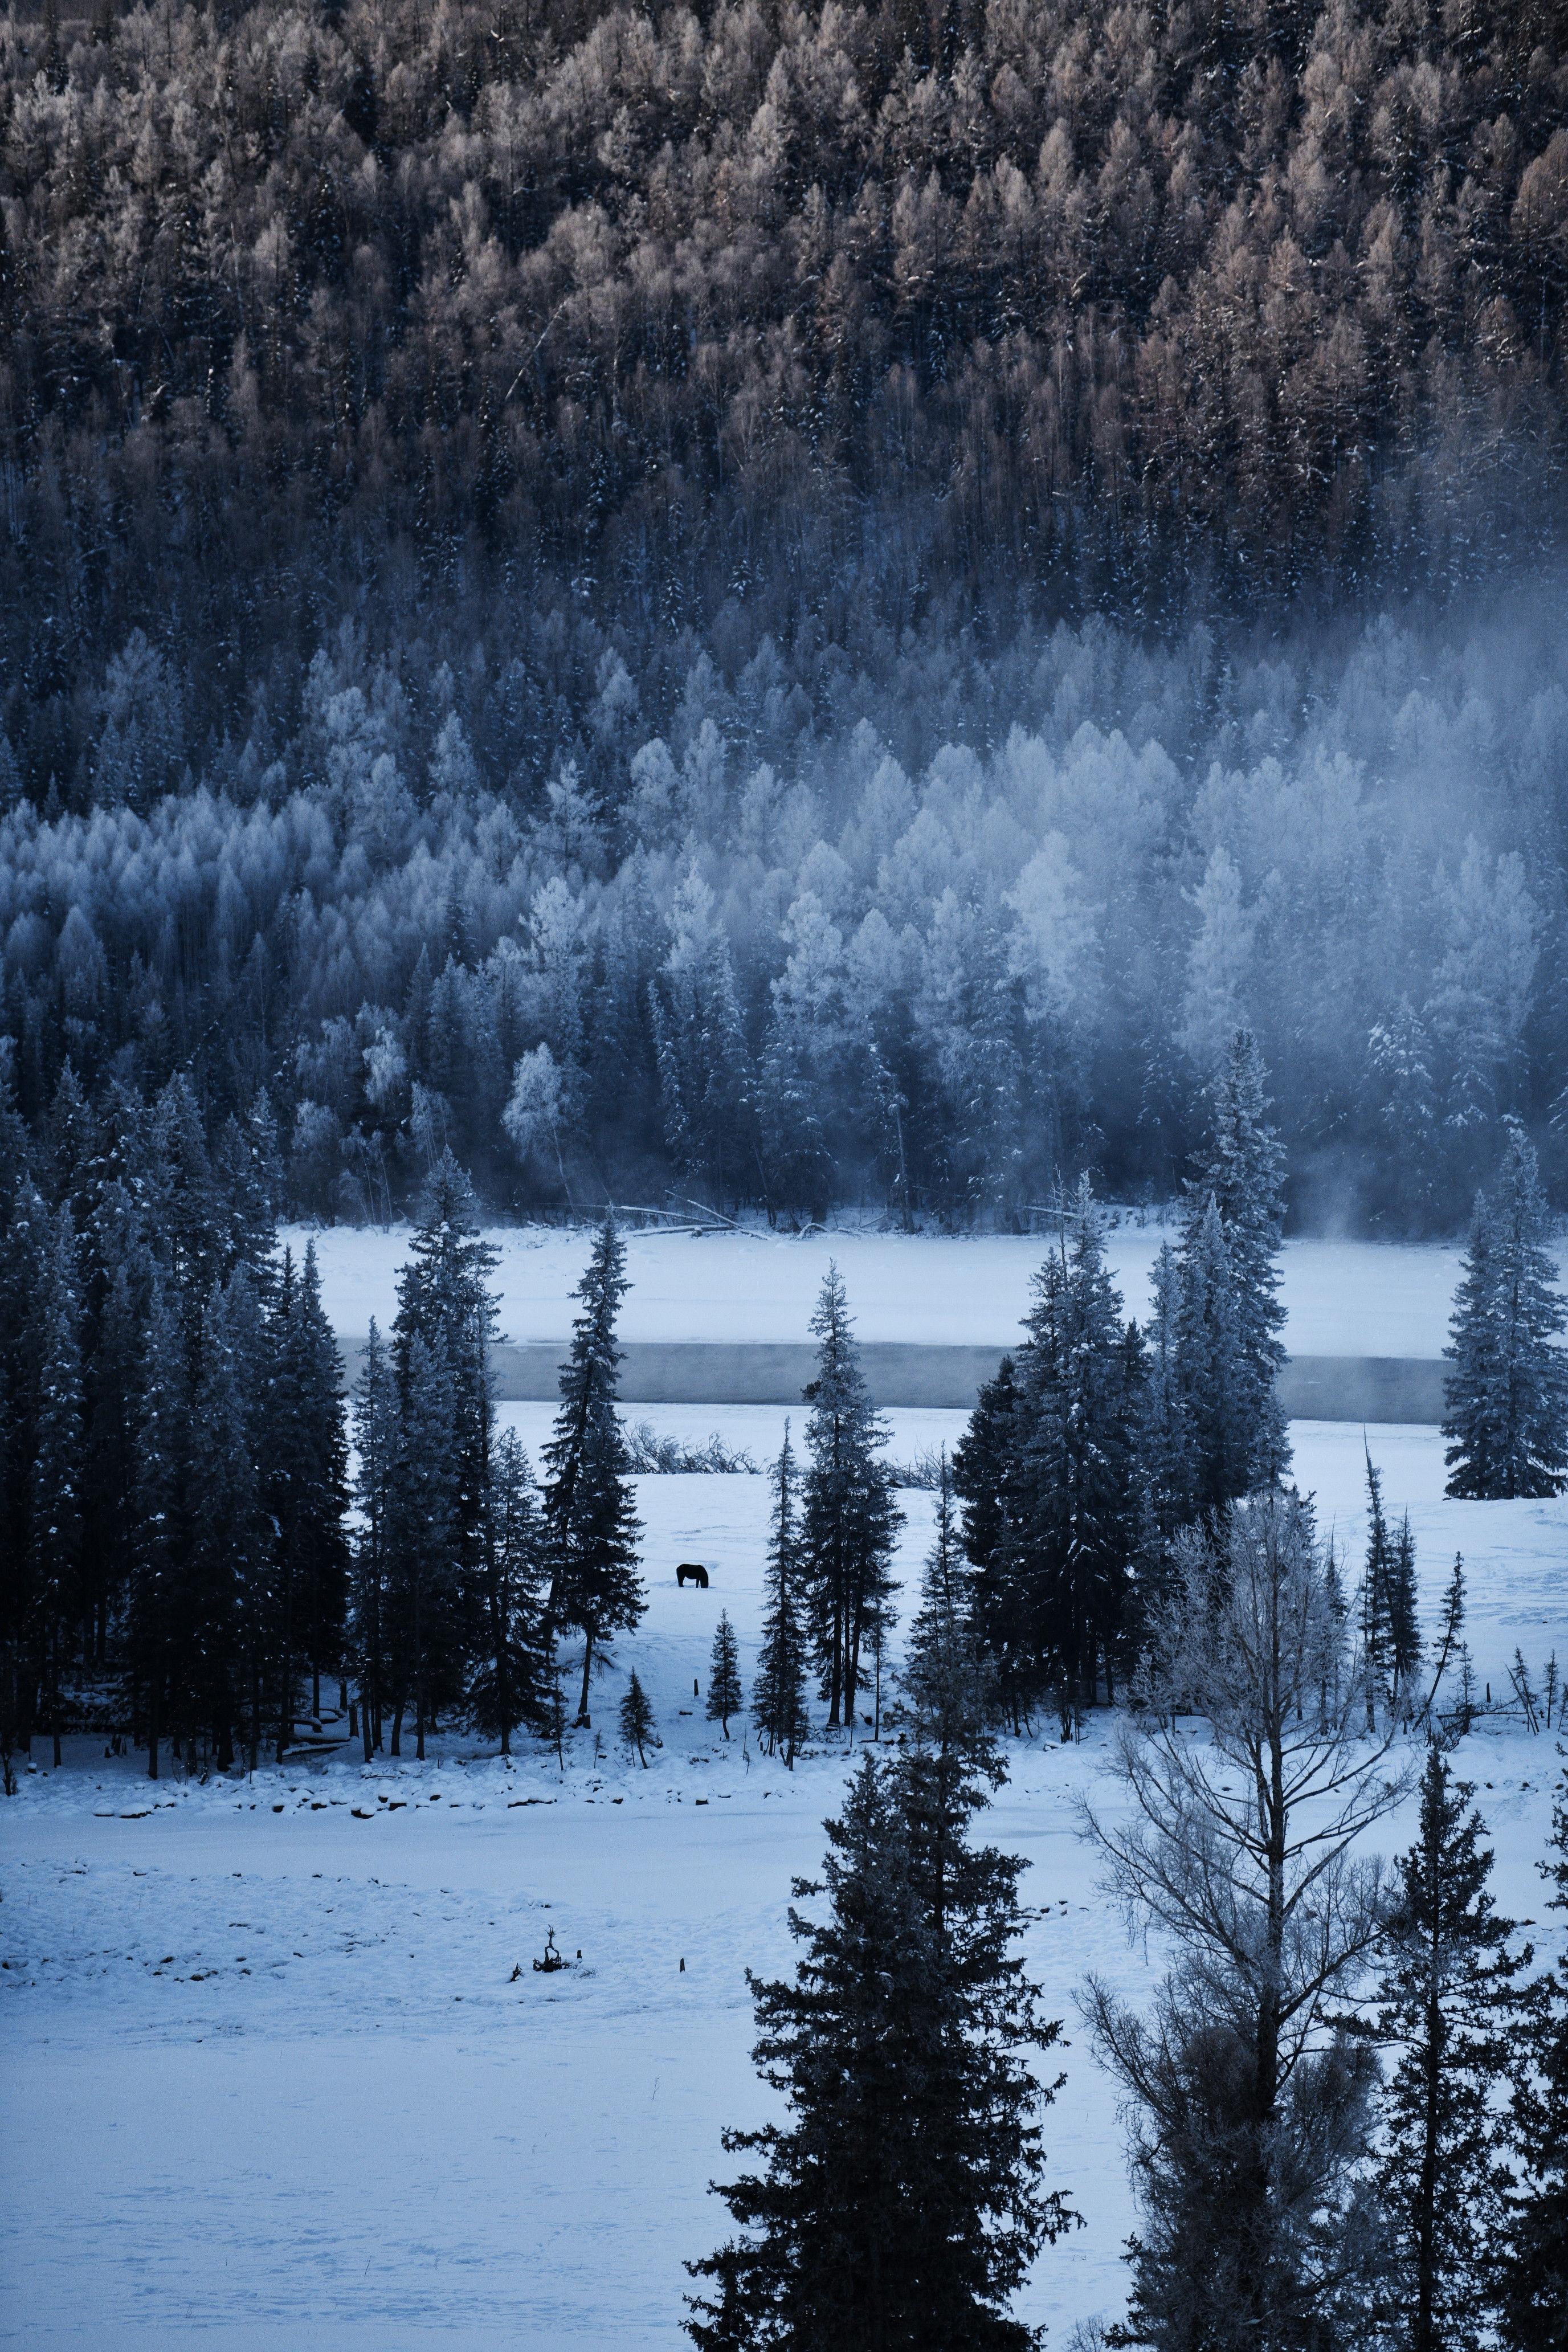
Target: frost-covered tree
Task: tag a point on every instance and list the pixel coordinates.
(590, 1516)
(725, 1697)
(1247, 2111)
(1242, 1172)
(1506, 1397)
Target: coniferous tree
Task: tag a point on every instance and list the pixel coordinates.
(514, 1682)
(1075, 1528)
(1244, 1173)
(161, 1536)
(588, 1507)
(636, 1718)
(423, 1609)
(849, 1519)
(1164, 1467)
(1208, 1358)
(444, 1298)
(55, 1514)
(230, 1600)
(1534, 2282)
(304, 1456)
(375, 1446)
(984, 1468)
(901, 2203)
(1507, 1396)
(1444, 2003)
(725, 1697)
(778, 1685)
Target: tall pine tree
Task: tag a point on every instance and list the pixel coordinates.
(778, 1685)
(849, 1519)
(1534, 2285)
(901, 2203)
(1507, 1396)
(588, 1506)
(515, 1680)
(1444, 2004)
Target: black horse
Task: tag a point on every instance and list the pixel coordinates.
(695, 1570)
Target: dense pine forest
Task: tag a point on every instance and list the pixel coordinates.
(794, 608)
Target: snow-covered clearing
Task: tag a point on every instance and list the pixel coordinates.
(1342, 1298)
(270, 2082)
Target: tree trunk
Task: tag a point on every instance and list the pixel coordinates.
(153, 1727)
(583, 1721)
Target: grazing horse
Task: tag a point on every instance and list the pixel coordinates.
(695, 1570)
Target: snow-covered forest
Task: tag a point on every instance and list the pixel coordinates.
(847, 588)
(784, 926)
(763, 961)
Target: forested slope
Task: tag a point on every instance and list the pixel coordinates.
(576, 534)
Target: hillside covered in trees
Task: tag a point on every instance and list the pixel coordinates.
(785, 604)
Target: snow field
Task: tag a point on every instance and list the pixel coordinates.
(1342, 1298)
(270, 2080)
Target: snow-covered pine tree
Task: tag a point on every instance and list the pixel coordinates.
(725, 1697)
(849, 1518)
(421, 1610)
(1445, 2002)
(589, 1511)
(1209, 1361)
(1506, 1398)
(513, 1684)
(778, 1685)
(227, 1607)
(901, 2202)
(1243, 1175)
(375, 1447)
(1376, 1601)
(1165, 1467)
(303, 1458)
(636, 1718)
(1534, 2285)
(985, 1473)
(444, 1296)
(54, 1514)
(1076, 1521)
(161, 1536)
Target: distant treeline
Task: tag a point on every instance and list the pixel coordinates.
(768, 965)
(809, 321)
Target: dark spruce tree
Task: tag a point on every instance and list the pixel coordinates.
(590, 1517)
(1074, 1532)
(778, 1685)
(725, 1697)
(901, 2204)
(304, 1465)
(444, 1298)
(375, 1447)
(514, 1681)
(422, 1612)
(1445, 2004)
(636, 1718)
(985, 1465)
(1506, 1398)
(848, 1519)
(1534, 2284)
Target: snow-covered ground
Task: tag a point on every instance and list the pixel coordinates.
(270, 2080)
(1342, 1298)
